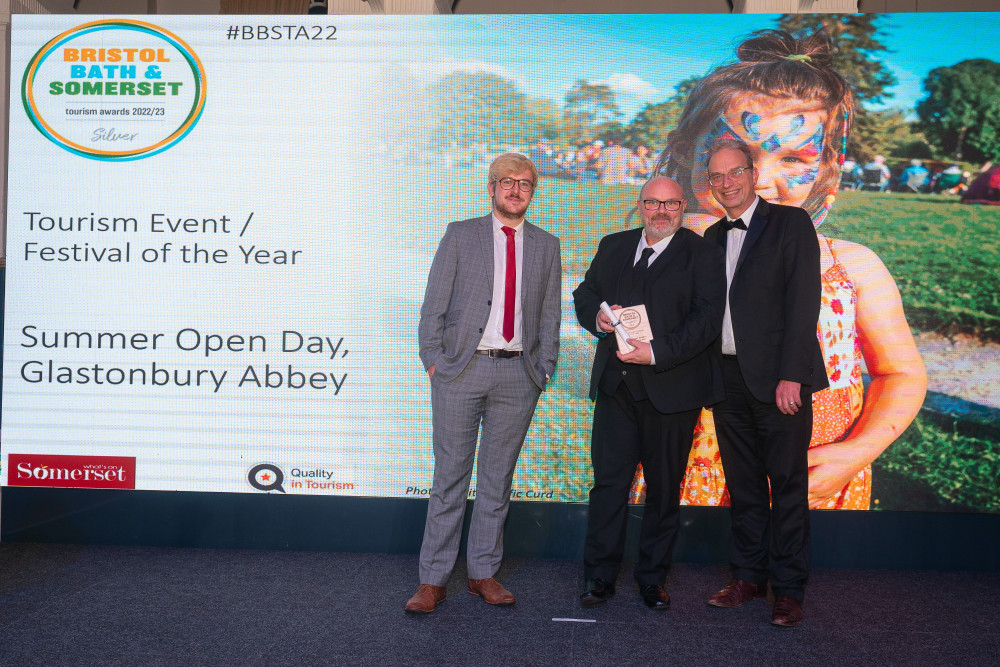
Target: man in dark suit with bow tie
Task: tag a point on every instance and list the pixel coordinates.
(648, 399)
(772, 363)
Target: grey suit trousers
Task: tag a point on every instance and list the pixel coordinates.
(498, 396)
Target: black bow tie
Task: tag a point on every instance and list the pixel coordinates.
(738, 223)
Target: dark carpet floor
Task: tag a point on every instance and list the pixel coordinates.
(98, 605)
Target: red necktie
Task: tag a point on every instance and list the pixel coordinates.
(510, 284)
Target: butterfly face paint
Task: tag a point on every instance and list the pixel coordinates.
(807, 177)
(720, 129)
(751, 124)
(786, 138)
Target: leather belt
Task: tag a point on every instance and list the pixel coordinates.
(500, 354)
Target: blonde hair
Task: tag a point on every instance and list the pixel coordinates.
(511, 163)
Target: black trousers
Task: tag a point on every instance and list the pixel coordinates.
(628, 432)
(765, 458)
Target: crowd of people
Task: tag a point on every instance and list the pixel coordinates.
(911, 176)
(617, 162)
(614, 163)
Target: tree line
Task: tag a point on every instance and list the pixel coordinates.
(959, 119)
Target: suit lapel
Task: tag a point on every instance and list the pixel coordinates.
(757, 224)
(667, 256)
(529, 259)
(717, 234)
(625, 258)
(486, 243)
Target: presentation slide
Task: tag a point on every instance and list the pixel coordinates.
(219, 231)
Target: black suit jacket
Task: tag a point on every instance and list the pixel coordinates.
(774, 300)
(684, 296)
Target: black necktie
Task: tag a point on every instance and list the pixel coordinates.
(734, 224)
(643, 263)
(639, 277)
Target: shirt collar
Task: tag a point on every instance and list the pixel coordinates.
(497, 224)
(658, 246)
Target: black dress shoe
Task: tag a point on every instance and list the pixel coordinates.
(655, 597)
(596, 592)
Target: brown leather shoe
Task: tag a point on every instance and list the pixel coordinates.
(491, 591)
(787, 612)
(425, 599)
(738, 592)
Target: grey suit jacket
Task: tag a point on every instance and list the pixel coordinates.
(459, 290)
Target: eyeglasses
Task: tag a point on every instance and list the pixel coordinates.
(524, 185)
(733, 174)
(669, 204)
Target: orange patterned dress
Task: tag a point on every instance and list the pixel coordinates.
(835, 409)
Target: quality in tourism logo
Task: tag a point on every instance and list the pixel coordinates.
(114, 90)
(266, 477)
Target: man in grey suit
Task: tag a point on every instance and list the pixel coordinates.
(489, 339)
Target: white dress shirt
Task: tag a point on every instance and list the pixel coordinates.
(657, 247)
(734, 243)
(493, 333)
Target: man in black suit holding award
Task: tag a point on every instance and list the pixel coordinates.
(648, 398)
(772, 363)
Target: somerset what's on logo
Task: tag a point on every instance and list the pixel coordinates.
(86, 472)
(114, 90)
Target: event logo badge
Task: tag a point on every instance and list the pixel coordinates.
(87, 472)
(115, 90)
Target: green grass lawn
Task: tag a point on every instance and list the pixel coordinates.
(945, 256)
(940, 463)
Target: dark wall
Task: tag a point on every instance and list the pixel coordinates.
(903, 540)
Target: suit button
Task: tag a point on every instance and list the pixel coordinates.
(624, 372)
(489, 302)
(480, 331)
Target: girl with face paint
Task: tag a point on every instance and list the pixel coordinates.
(786, 138)
(784, 99)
